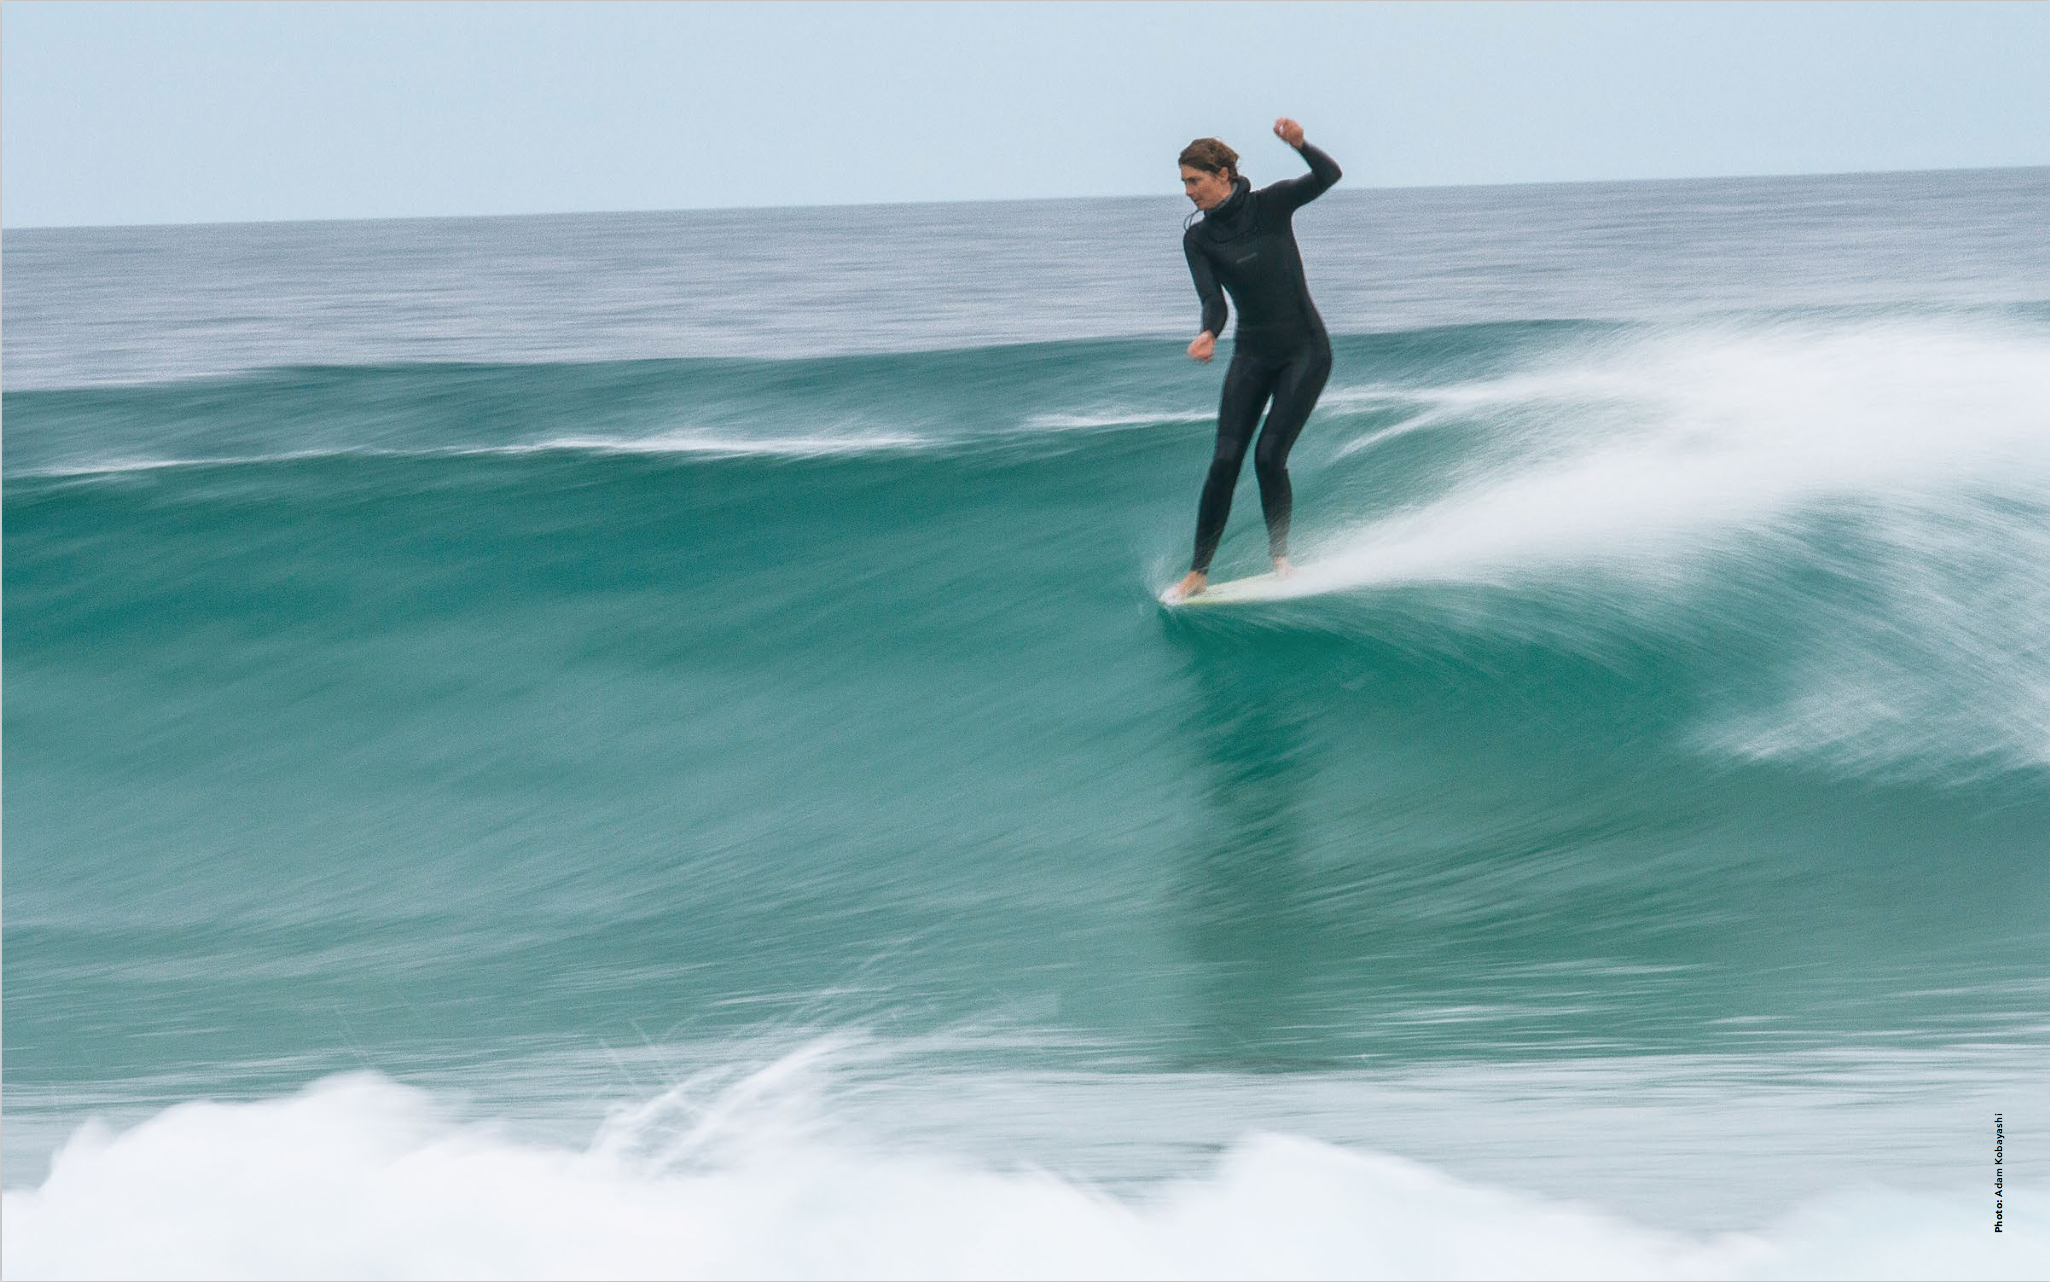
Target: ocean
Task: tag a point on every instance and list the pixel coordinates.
(628, 745)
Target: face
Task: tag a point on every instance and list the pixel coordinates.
(1208, 190)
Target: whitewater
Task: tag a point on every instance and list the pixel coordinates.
(644, 745)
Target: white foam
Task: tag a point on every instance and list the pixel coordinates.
(1644, 448)
(120, 466)
(358, 1176)
(1114, 418)
(809, 446)
(681, 442)
(1645, 464)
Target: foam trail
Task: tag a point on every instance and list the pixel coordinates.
(1654, 450)
(1112, 418)
(672, 443)
(1896, 475)
(737, 446)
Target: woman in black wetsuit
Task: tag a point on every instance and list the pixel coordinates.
(1245, 244)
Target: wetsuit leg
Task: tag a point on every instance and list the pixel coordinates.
(1247, 385)
(1296, 389)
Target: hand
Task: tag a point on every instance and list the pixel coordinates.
(1289, 132)
(1203, 347)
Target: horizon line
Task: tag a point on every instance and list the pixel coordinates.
(1002, 200)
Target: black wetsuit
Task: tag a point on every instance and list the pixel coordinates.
(1247, 246)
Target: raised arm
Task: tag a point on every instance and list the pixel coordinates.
(1294, 193)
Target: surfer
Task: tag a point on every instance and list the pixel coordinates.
(1244, 244)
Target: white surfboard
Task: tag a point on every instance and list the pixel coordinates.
(1258, 587)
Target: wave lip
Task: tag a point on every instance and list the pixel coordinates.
(676, 443)
(814, 446)
(1877, 493)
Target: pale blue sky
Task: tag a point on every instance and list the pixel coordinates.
(174, 112)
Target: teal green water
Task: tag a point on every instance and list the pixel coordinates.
(1644, 799)
(340, 752)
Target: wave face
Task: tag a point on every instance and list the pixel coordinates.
(1659, 733)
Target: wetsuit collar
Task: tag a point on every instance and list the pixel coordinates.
(1228, 215)
(1235, 202)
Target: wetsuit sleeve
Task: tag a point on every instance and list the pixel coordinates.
(1207, 288)
(1294, 193)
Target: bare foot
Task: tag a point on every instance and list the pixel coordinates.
(1194, 582)
(1282, 569)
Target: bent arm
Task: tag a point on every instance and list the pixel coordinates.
(1207, 288)
(1294, 193)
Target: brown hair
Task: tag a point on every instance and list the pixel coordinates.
(1212, 155)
